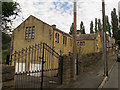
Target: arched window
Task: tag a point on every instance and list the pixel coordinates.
(56, 37)
(71, 42)
(78, 43)
(65, 40)
(83, 43)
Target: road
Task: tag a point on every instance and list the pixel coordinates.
(113, 80)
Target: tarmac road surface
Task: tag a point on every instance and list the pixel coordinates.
(113, 77)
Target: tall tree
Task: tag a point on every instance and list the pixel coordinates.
(99, 25)
(6, 39)
(71, 29)
(91, 27)
(96, 28)
(114, 21)
(82, 28)
(108, 26)
(9, 12)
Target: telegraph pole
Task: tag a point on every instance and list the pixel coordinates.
(74, 41)
(104, 40)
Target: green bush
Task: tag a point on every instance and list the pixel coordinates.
(6, 39)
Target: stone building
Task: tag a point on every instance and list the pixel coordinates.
(88, 43)
(33, 31)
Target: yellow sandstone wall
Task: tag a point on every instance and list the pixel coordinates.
(65, 49)
(88, 48)
(43, 33)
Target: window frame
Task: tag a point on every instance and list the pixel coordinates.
(33, 32)
(83, 43)
(30, 31)
(78, 43)
(26, 33)
(57, 37)
(65, 41)
(71, 42)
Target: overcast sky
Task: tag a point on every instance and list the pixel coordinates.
(60, 12)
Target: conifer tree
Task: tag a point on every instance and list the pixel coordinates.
(91, 27)
(114, 22)
(99, 25)
(108, 26)
(82, 28)
(96, 28)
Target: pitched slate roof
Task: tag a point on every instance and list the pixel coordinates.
(87, 37)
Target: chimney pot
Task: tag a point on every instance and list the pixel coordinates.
(54, 26)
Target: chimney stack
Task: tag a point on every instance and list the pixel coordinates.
(54, 26)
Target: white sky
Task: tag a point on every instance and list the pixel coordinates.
(61, 12)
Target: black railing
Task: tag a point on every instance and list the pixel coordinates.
(36, 66)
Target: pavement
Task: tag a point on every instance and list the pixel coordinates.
(92, 78)
(113, 77)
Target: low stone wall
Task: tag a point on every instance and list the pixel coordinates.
(85, 61)
(7, 77)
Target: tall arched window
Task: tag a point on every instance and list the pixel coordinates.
(83, 43)
(78, 43)
(57, 37)
(70, 42)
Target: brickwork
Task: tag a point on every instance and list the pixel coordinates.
(66, 69)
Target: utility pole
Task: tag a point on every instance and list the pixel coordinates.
(74, 41)
(104, 40)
